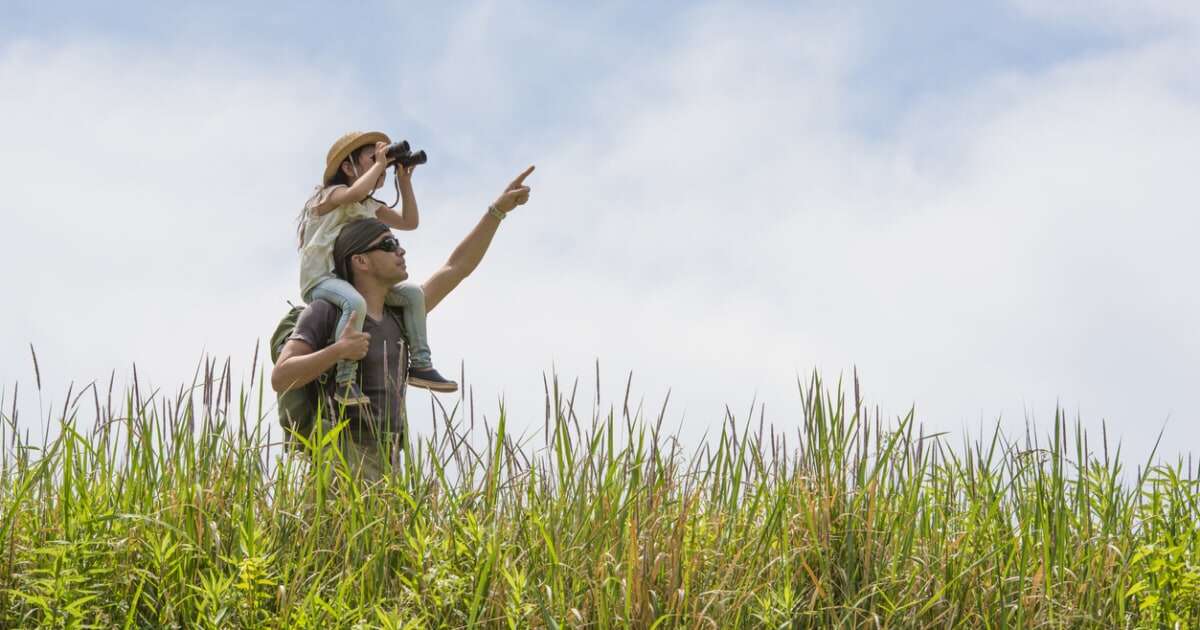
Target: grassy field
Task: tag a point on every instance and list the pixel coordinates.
(176, 511)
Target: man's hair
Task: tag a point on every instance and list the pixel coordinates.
(354, 238)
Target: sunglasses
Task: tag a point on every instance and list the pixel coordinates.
(389, 244)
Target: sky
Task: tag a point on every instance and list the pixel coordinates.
(985, 209)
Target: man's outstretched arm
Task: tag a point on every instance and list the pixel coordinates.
(470, 251)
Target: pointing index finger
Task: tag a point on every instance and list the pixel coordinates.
(516, 183)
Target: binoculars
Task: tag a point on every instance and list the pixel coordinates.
(400, 153)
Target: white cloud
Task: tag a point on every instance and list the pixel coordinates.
(718, 227)
(1018, 245)
(1124, 18)
(149, 202)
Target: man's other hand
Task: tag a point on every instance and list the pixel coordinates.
(353, 344)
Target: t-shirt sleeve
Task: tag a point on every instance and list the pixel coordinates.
(320, 200)
(316, 324)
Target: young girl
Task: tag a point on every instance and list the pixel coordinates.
(354, 168)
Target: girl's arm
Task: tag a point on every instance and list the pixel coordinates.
(408, 217)
(362, 187)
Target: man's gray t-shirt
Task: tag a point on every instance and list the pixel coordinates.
(380, 373)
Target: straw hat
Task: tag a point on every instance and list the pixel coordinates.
(346, 145)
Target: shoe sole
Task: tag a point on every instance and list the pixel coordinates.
(432, 385)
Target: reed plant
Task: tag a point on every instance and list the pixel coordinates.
(152, 510)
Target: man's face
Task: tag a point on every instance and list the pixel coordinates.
(381, 266)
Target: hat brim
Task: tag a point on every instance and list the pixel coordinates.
(363, 139)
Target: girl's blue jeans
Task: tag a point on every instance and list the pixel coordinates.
(407, 296)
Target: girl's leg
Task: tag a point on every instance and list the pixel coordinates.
(344, 296)
(411, 300)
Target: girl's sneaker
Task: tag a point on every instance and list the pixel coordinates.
(428, 378)
(348, 394)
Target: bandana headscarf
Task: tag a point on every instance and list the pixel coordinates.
(355, 238)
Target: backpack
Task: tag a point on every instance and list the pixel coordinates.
(300, 407)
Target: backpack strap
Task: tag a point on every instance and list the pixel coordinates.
(394, 312)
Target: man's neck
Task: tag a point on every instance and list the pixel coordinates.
(374, 294)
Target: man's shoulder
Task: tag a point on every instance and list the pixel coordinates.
(321, 307)
(316, 323)
(319, 310)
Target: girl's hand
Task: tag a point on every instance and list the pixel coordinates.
(404, 173)
(381, 153)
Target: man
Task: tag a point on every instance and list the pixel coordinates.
(367, 256)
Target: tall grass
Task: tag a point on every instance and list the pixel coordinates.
(178, 511)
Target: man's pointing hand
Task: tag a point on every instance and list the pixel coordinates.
(516, 194)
